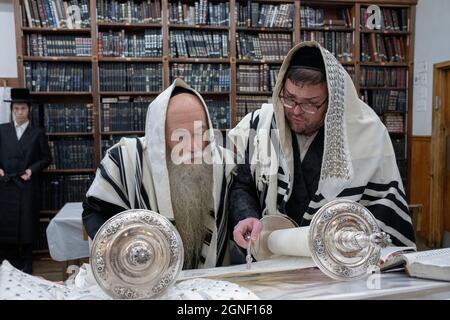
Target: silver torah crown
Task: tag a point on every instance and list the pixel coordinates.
(137, 254)
(344, 239)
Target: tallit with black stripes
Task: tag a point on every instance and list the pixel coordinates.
(134, 175)
(358, 161)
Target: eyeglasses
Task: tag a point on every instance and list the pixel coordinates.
(310, 108)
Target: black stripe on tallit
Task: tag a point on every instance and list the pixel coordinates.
(116, 188)
(386, 187)
(391, 197)
(142, 189)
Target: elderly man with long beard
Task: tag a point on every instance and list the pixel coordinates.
(177, 170)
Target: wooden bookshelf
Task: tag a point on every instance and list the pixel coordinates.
(233, 30)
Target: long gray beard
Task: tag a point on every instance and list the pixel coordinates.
(191, 193)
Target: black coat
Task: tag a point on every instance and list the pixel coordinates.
(20, 200)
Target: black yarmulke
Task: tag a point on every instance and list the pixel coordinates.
(309, 58)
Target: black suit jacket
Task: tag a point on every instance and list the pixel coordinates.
(20, 200)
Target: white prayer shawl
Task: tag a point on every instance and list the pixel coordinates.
(134, 174)
(358, 159)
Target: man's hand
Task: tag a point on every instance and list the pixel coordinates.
(2, 173)
(249, 225)
(27, 175)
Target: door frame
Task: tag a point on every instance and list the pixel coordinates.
(441, 100)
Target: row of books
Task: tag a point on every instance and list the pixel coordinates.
(384, 77)
(256, 77)
(121, 44)
(340, 44)
(71, 14)
(40, 242)
(391, 19)
(142, 77)
(381, 48)
(263, 46)
(386, 100)
(56, 191)
(57, 45)
(219, 113)
(58, 76)
(198, 44)
(395, 123)
(72, 154)
(254, 14)
(67, 117)
(122, 114)
(320, 17)
(200, 12)
(130, 11)
(399, 145)
(203, 77)
(246, 104)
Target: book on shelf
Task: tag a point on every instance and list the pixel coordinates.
(198, 44)
(56, 14)
(256, 77)
(203, 77)
(340, 44)
(399, 145)
(124, 113)
(219, 113)
(392, 19)
(325, 17)
(124, 44)
(58, 76)
(61, 118)
(57, 190)
(260, 15)
(383, 101)
(429, 264)
(140, 77)
(395, 123)
(382, 48)
(383, 77)
(200, 12)
(72, 153)
(351, 71)
(263, 46)
(129, 12)
(42, 45)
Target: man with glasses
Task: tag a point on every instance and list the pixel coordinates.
(315, 143)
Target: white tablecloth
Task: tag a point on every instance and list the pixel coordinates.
(65, 234)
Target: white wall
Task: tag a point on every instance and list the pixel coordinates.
(432, 45)
(8, 62)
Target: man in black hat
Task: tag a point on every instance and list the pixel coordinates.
(316, 142)
(24, 154)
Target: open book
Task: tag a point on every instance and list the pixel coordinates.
(430, 264)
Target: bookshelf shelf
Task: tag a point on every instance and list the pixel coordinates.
(199, 60)
(129, 59)
(120, 133)
(264, 29)
(261, 93)
(127, 26)
(387, 32)
(61, 93)
(128, 93)
(383, 64)
(243, 61)
(69, 134)
(331, 28)
(57, 59)
(55, 30)
(200, 27)
(48, 212)
(383, 88)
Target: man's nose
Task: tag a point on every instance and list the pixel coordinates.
(298, 110)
